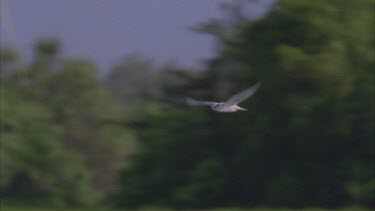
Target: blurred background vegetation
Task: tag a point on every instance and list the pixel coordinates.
(72, 139)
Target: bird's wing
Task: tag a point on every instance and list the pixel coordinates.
(193, 102)
(241, 96)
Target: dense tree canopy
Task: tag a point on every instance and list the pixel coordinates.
(307, 140)
(55, 144)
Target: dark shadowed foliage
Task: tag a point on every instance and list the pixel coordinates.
(55, 147)
(308, 138)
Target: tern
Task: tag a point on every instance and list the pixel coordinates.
(231, 105)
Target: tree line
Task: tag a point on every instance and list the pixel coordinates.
(69, 138)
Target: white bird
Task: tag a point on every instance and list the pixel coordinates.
(231, 104)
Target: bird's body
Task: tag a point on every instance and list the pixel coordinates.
(231, 104)
(230, 109)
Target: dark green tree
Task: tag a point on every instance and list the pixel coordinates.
(307, 139)
(57, 146)
(133, 81)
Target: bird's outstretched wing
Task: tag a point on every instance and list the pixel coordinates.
(194, 102)
(241, 96)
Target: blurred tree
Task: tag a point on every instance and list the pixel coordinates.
(307, 139)
(48, 48)
(318, 92)
(34, 164)
(9, 60)
(56, 143)
(134, 80)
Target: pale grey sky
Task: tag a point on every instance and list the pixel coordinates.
(104, 31)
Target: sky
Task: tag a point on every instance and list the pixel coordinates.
(105, 31)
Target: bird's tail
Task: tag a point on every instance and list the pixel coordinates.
(192, 102)
(241, 109)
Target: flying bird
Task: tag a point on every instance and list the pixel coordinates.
(231, 105)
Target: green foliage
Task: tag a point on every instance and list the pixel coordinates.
(26, 208)
(57, 147)
(47, 48)
(307, 139)
(8, 55)
(34, 163)
(134, 80)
